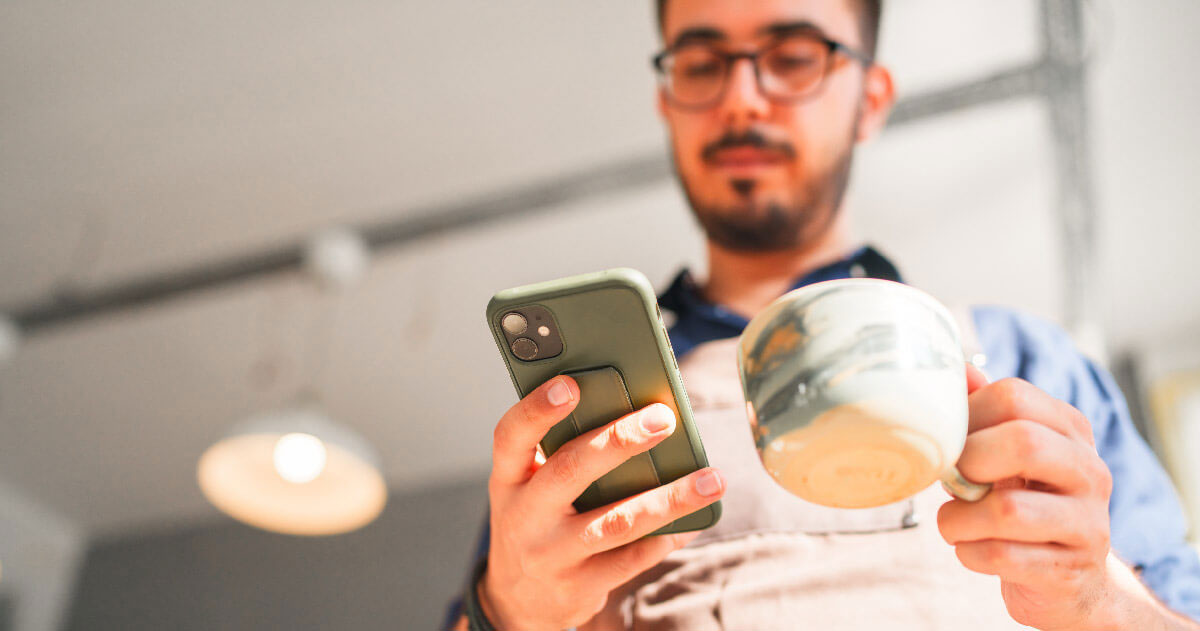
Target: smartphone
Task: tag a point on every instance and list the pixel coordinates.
(604, 330)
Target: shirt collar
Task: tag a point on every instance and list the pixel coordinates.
(698, 321)
(684, 297)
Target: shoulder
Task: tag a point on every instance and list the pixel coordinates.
(1023, 345)
(1001, 326)
(1020, 344)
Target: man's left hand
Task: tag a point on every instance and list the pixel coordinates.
(1043, 529)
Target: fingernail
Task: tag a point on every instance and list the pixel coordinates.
(657, 420)
(709, 483)
(559, 393)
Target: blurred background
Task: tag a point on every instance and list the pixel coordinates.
(212, 212)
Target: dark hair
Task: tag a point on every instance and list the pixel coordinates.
(868, 21)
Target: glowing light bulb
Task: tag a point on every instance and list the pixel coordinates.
(299, 458)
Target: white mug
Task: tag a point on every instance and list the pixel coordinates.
(856, 393)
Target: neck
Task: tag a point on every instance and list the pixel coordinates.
(745, 282)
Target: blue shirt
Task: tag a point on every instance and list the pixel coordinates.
(1148, 527)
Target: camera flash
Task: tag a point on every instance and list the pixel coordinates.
(543, 330)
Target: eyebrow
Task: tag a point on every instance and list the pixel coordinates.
(700, 34)
(713, 34)
(780, 29)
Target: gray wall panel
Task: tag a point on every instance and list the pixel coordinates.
(396, 573)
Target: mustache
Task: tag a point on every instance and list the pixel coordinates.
(748, 138)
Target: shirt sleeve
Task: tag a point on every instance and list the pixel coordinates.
(454, 610)
(1148, 526)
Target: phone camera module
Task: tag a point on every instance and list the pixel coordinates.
(529, 332)
(514, 323)
(524, 348)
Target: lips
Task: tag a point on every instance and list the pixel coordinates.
(746, 156)
(746, 161)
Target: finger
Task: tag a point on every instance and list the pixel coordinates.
(1019, 515)
(1029, 450)
(975, 378)
(621, 522)
(1022, 563)
(515, 439)
(620, 565)
(539, 459)
(568, 471)
(1014, 398)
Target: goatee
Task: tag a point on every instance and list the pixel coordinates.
(755, 224)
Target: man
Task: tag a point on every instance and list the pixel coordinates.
(764, 102)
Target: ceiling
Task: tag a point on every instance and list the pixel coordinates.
(146, 137)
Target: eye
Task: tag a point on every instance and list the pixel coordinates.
(791, 62)
(701, 69)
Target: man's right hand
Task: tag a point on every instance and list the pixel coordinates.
(550, 567)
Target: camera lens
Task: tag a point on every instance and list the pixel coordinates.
(514, 323)
(524, 348)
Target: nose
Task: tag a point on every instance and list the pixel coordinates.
(743, 101)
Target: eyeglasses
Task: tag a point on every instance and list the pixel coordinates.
(694, 74)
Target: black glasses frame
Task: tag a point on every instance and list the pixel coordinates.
(730, 59)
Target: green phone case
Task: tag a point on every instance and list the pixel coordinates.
(616, 348)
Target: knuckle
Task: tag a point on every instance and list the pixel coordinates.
(566, 465)
(1006, 506)
(1080, 423)
(616, 524)
(591, 536)
(1011, 394)
(994, 554)
(1025, 439)
(631, 560)
(624, 435)
(501, 436)
(676, 499)
(1104, 480)
(522, 412)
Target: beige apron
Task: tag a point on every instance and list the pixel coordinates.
(777, 562)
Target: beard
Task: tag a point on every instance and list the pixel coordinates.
(759, 224)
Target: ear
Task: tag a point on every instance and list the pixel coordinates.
(879, 93)
(661, 102)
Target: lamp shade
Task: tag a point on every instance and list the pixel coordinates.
(296, 472)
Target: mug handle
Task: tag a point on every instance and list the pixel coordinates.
(962, 488)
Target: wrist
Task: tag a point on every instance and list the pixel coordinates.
(478, 618)
(1128, 604)
(486, 603)
(501, 617)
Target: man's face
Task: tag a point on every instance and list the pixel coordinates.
(762, 174)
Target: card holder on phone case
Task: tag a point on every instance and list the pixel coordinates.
(603, 398)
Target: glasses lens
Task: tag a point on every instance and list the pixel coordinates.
(794, 66)
(694, 74)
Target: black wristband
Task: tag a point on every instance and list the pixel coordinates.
(476, 620)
